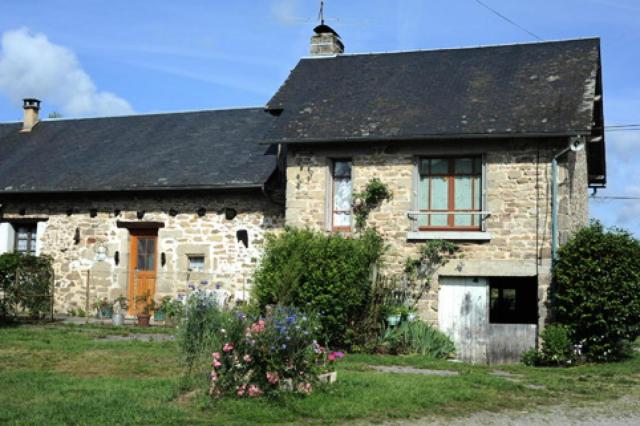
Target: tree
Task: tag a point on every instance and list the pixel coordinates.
(596, 290)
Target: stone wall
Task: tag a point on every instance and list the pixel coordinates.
(518, 196)
(186, 231)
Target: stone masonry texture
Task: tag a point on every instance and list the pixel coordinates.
(518, 197)
(185, 233)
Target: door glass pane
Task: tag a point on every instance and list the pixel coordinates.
(146, 254)
(440, 166)
(464, 166)
(463, 199)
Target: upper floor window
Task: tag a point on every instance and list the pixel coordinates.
(341, 198)
(25, 238)
(448, 189)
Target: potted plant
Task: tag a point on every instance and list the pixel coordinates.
(120, 305)
(394, 316)
(103, 308)
(147, 304)
(169, 310)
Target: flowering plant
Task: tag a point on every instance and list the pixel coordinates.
(269, 354)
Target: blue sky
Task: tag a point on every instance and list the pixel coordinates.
(101, 57)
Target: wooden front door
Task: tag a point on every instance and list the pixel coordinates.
(142, 267)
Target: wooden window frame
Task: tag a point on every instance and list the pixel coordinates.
(451, 175)
(32, 237)
(333, 209)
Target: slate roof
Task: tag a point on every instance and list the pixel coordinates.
(543, 88)
(192, 150)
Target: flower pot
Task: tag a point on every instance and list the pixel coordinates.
(393, 320)
(106, 313)
(143, 320)
(117, 319)
(329, 377)
(411, 316)
(159, 316)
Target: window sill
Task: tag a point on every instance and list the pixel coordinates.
(449, 235)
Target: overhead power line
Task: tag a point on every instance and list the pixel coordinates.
(614, 197)
(486, 6)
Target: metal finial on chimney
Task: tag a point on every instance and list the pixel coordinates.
(321, 13)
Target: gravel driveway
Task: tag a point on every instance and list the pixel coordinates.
(621, 412)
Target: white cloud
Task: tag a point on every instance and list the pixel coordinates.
(32, 66)
(285, 12)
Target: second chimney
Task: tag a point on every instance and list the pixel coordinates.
(31, 108)
(326, 42)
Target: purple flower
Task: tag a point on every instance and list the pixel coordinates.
(204, 282)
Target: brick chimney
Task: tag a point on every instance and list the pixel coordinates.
(31, 108)
(325, 41)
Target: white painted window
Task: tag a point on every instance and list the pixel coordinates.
(7, 238)
(196, 263)
(342, 192)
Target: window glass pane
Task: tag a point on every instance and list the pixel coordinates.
(439, 193)
(464, 166)
(463, 199)
(342, 219)
(478, 165)
(22, 245)
(440, 166)
(477, 192)
(342, 169)
(424, 166)
(196, 263)
(342, 197)
(423, 200)
(439, 199)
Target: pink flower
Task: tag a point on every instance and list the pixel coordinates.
(272, 377)
(216, 355)
(216, 364)
(246, 358)
(335, 355)
(258, 327)
(240, 390)
(228, 347)
(214, 376)
(254, 391)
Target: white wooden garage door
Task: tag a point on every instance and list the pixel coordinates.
(463, 314)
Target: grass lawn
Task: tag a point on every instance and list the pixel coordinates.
(60, 374)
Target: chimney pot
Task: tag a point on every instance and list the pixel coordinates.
(326, 42)
(31, 108)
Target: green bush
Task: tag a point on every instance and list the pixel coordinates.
(417, 337)
(557, 348)
(596, 291)
(325, 273)
(25, 285)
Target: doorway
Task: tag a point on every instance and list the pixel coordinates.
(142, 267)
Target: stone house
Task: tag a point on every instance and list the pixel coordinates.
(492, 147)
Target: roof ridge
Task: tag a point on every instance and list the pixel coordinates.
(441, 49)
(144, 114)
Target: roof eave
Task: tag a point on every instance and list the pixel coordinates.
(221, 188)
(431, 137)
